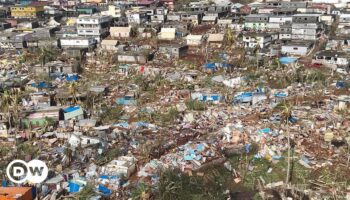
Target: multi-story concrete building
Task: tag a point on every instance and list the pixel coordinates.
(94, 26)
(33, 10)
(306, 26)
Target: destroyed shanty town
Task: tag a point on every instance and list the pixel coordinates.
(174, 99)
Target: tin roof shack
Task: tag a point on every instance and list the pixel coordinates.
(173, 50)
(28, 25)
(120, 32)
(44, 33)
(123, 166)
(38, 118)
(77, 43)
(4, 132)
(282, 4)
(73, 112)
(17, 193)
(109, 45)
(279, 18)
(338, 58)
(158, 18)
(135, 54)
(251, 40)
(339, 42)
(192, 17)
(77, 139)
(54, 68)
(195, 40)
(14, 40)
(67, 31)
(306, 26)
(4, 25)
(344, 20)
(256, 21)
(343, 103)
(216, 40)
(181, 28)
(225, 22)
(209, 19)
(297, 48)
(137, 18)
(167, 34)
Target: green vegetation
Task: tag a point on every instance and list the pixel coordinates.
(174, 185)
(111, 114)
(87, 192)
(26, 149)
(195, 105)
(169, 117)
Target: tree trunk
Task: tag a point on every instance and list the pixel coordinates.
(288, 159)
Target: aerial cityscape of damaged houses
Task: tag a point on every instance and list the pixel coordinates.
(174, 99)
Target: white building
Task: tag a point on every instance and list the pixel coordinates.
(331, 57)
(261, 39)
(77, 42)
(113, 11)
(120, 32)
(194, 40)
(123, 166)
(297, 48)
(167, 34)
(93, 26)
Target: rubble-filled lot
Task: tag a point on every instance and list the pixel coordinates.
(219, 103)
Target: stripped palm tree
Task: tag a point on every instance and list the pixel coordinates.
(6, 102)
(286, 111)
(73, 90)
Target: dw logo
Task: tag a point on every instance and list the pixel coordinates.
(19, 171)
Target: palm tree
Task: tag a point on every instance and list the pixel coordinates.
(45, 55)
(286, 112)
(73, 90)
(6, 102)
(256, 52)
(68, 153)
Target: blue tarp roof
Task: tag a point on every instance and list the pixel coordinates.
(71, 109)
(105, 191)
(72, 77)
(73, 187)
(209, 65)
(280, 94)
(122, 124)
(108, 177)
(287, 60)
(265, 130)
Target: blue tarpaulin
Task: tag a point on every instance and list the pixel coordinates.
(4, 183)
(287, 60)
(280, 94)
(265, 130)
(210, 65)
(122, 124)
(126, 101)
(108, 177)
(142, 124)
(292, 119)
(105, 191)
(34, 192)
(244, 97)
(73, 187)
(72, 77)
(71, 109)
(340, 84)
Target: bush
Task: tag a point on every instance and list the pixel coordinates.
(195, 105)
